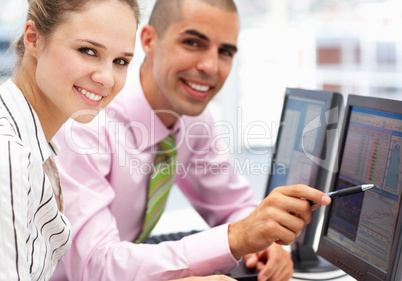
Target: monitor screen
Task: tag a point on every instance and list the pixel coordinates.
(304, 152)
(362, 232)
(292, 162)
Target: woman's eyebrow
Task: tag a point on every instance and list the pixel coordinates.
(99, 45)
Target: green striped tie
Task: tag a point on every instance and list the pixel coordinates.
(160, 183)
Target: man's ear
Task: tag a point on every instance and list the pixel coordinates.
(31, 37)
(149, 39)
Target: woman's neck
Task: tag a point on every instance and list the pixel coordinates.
(25, 80)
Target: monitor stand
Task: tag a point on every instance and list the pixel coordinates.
(306, 260)
(307, 263)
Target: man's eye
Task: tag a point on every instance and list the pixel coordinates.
(190, 42)
(226, 53)
(121, 61)
(87, 51)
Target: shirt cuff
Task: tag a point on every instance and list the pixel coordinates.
(208, 252)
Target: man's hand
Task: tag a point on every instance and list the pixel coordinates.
(274, 263)
(279, 218)
(207, 278)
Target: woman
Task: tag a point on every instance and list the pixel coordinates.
(73, 59)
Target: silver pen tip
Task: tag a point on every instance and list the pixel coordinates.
(367, 186)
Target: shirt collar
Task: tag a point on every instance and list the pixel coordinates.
(147, 118)
(26, 122)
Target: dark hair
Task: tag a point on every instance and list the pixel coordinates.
(48, 14)
(166, 12)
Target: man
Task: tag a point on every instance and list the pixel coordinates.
(108, 166)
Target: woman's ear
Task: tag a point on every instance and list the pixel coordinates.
(31, 38)
(149, 39)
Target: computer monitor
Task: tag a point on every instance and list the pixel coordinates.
(304, 154)
(362, 233)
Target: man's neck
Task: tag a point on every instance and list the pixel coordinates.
(151, 91)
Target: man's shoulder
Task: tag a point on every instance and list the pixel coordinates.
(129, 97)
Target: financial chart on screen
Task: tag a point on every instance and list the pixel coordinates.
(365, 223)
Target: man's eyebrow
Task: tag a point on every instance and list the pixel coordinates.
(196, 33)
(204, 37)
(230, 46)
(99, 45)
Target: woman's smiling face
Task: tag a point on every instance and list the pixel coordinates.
(83, 65)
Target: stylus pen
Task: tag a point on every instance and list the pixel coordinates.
(347, 191)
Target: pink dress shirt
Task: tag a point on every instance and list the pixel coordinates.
(104, 168)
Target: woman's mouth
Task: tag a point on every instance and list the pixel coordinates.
(89, 95)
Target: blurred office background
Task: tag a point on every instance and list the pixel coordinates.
(348, 46)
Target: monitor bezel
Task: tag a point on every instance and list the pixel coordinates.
(303, 250)
(330, 99)
(330, 250)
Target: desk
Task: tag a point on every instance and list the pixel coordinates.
(173, 221)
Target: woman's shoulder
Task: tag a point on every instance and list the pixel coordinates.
(8, 133)
(8, 93)
(7, 130)
(11, 145)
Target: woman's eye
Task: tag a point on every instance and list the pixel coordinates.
(121, 62)
(87, 51)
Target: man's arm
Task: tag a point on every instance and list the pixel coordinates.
(207, 278)
(209, 176)
(102, 247)
(212, 181)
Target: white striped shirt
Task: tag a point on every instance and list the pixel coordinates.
(34, 234)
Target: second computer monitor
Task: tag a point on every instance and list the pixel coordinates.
(362, 232)
(304, 154)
